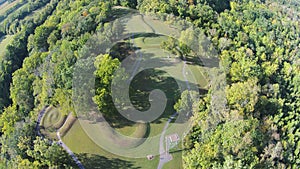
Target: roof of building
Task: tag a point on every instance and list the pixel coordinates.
(173, 137)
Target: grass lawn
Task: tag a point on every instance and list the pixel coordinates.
(126, 130)
(176, 153)
(3, 43)
(135, 24)
(160, 27)
(93, 156)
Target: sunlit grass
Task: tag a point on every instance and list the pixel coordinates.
(5, 6)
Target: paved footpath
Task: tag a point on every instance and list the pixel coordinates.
(164, 157)
(70, 152)
(40, 115)
(60, 142)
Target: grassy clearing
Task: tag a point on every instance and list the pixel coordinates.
(148, 80)
(5, 6)
(150, 46)
(160, 27)
(126, 130)
(93, 156)
(176, 162)
(80, 142)
(138, 130)
(102, 133)
(135, 24)
(200, 78)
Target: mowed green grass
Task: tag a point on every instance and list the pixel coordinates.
(135, 24)
(93, 156)
(3, 43)
(5, 6)
(161, 27)
(176, 153)
(151, 52)
(150, 46)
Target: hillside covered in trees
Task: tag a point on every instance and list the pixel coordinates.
(257, 43)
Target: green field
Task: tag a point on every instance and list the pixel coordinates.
(5, 6)
(93, 156)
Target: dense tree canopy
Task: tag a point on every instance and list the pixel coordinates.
(257, 42)
(106, 66)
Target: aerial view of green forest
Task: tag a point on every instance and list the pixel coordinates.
(150, 84)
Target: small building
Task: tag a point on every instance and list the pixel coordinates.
(171, 140)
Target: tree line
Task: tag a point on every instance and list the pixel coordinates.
(258, 46)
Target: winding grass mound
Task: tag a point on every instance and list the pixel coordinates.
(52, 119)
(103, 132)
(141, 132)
(51, 122)
(92, 155)
(107, 134)
(68, 123)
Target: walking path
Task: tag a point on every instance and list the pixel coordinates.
(143, 19)
(60, 142)
(165, 156)
(136, 66)
(40, 115)
(70, 152)
(138, 61)
(64, 146)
